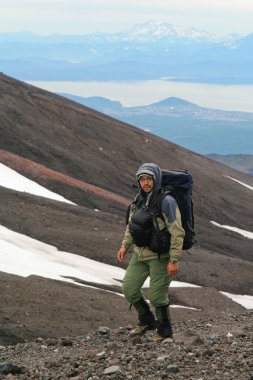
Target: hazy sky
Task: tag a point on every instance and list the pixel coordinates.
(88, 16)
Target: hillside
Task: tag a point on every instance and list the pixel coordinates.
(90, 159)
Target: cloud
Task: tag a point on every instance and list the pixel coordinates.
(80, 17)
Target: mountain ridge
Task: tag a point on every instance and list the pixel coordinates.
(145, 51)
(147, 29)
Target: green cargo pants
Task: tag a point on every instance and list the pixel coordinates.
(136, 274)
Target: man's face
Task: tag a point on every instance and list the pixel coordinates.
(146, 183)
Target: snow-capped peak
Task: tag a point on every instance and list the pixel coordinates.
(155, 30)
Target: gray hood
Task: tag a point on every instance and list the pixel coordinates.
(154, 171)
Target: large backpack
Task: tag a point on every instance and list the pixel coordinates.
(178, 184)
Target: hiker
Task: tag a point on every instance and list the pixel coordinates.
(141, 237)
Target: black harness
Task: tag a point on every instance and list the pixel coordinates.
(144, 227)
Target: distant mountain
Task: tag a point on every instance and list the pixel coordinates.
(96, 102)
(146, 51)
(199, 129)
(242, 162)
(153, 31)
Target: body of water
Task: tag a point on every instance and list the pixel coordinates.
(138, 93)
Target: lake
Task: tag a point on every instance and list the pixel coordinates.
(137, 93)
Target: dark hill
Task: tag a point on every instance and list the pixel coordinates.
(67, 147)
(172, 101)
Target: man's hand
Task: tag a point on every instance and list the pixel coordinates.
(172, 268)
(122, 253)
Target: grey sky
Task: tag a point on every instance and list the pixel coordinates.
(88, 16)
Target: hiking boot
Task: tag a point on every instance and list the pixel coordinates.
(146, 318)
(155, 338)
(164, 328)
(141, 330)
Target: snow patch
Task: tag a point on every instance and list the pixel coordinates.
(244, 233)
(11, 179)
(244, 300)
(241, 183)
(25, 256)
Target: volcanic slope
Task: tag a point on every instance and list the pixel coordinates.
(91, 159)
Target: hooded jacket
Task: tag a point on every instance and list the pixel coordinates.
(171, 217)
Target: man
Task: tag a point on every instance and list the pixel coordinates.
(155, 254)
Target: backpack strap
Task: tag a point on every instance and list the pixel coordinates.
(128, 213)
(156, 209)
(159, 201)
(135, 202)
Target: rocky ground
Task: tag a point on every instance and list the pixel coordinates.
(210, 349)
